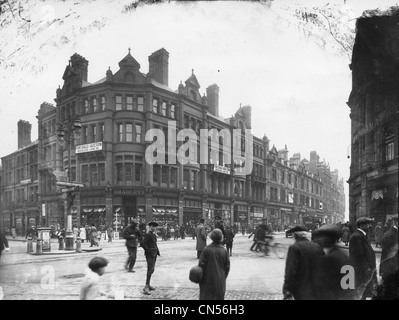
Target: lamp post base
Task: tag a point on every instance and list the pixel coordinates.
(69, 242)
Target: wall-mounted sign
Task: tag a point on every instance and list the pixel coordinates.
(221, 169)
(128, 191)
(26, 181)
(89, 147)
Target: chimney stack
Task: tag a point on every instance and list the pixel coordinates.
(212, 93)
(24, 134)
(80, 66)
(159, 66)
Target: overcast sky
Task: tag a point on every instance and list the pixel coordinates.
(257, 54)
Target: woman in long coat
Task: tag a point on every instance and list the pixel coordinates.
(215, 263)
(346, 233)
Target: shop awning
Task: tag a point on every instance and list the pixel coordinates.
(117, 210)
(140, 209)
(87, 210)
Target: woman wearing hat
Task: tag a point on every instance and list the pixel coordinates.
(215, 262)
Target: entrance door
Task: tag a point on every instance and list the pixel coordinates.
(129, 209)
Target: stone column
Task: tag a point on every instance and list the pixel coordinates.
(148, 203)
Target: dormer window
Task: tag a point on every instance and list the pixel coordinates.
(193, 95)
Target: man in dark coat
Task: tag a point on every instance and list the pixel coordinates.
(389, 256)
(334, 258)
(200, 233)
(182, 231)
(3, 243)
(219, 225)
(215, 264)
(133, 237)
(151, 251)
(229, 240)
(363, 259)
(302, 264)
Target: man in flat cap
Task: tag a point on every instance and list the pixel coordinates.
(333, 260)
(302, 264)
(389, 253)
(151, 251)
(363, 259)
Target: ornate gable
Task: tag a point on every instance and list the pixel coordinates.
(129, 71)
(192, 87)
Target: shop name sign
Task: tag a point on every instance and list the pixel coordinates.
(129, 191)
(221, 169)
(89, 147)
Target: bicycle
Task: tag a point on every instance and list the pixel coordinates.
(271, 245)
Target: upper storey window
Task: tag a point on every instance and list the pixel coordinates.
(172, 111)
(155, 105)
(118, 102)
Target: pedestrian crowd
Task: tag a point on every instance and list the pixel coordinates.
(315, 269)
(320, 270)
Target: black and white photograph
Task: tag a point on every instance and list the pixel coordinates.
(217, 152)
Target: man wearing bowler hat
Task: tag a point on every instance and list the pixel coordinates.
(151, 251)
(363, 259)
(301, 267)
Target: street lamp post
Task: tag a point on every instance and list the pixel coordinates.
(66, 130)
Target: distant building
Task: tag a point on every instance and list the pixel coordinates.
(374, 101)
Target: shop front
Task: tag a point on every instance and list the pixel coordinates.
(219, 209)
(93, 216)
(192, 212)
(7, 219)
(286, 217)
(241, 215)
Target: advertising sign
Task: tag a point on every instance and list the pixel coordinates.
(89, 147)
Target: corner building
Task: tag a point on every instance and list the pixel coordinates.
(108, 157)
